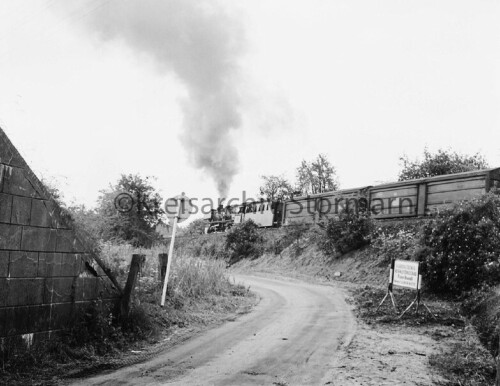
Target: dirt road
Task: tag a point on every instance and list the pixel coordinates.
(292, 337)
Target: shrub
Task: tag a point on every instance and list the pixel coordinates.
(461, 246)
(349, 232)
(395, 243)
(243, 241)
(291, 236)
(94, 327)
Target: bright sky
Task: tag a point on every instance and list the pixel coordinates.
(362, 81)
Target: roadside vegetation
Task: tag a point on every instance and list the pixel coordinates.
(199, 294)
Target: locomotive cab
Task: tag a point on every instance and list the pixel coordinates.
(220, 219)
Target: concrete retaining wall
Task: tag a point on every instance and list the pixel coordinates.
(47, 270)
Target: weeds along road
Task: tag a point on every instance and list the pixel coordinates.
(292, 337)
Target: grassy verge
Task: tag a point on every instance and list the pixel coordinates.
(465, 362)
(461, 360)
(199, 295)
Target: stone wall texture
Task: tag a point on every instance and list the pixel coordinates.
(48, 271)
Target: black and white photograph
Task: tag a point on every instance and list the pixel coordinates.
(249, 192)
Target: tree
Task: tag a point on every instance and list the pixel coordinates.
(135, 224)
(317, 176)
(78, 217)
(87, 220)
(275, 188)
(196, 227)
(442, 162)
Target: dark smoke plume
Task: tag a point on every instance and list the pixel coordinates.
(201, 44)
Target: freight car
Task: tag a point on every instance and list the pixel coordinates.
(413, 198)
(318, 207)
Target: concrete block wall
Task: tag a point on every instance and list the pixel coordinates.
(47, 269)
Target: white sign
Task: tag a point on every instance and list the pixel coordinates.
(406, 274)
(173, 210)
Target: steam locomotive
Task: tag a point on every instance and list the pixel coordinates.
(404, 199)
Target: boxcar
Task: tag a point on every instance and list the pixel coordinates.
(426, 196)
(420, 197)
(318, 207)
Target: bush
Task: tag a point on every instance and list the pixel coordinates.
(243, 241)
(460, 247)
(96, 328)
(291, 236)
(400, 243)
(347, 233)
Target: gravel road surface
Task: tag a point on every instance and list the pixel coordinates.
(294, 336)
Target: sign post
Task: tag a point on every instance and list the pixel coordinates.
(417, 299)
(182, 210)
(405, 274)
(389, 289)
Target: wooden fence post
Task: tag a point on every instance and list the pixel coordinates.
(135, 268)
(162, 266)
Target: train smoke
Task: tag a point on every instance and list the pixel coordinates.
(201, 44)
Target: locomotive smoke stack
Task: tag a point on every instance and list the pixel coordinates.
(201, 44)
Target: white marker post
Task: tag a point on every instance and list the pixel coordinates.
(183, 210)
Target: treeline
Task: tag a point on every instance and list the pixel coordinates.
(138, 224)
(319, 175)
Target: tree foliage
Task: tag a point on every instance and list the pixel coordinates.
(317, 176)
(51, 185)
(275, 188)
(196, 227)
(87, 220)
(136, 226)
(439, 163)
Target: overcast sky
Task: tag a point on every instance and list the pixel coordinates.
(208, 96)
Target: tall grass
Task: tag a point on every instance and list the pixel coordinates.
(203, 246)
(194, 277)
(190, 276)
